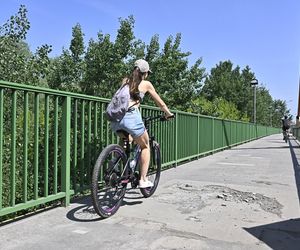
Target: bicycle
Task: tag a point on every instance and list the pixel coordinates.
(117, 166)
(285, 135)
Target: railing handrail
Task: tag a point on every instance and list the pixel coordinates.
(49, 91)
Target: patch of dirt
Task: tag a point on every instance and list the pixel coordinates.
(191, 198)
(267, 204)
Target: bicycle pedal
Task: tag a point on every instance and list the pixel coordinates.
(134, 185)
(124, 181)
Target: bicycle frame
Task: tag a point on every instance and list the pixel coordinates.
(112, 172)
(127, 174)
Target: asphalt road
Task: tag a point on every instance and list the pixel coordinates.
(243, 198)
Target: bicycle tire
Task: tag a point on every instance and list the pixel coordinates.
(107, 193)
(285, 135)
(153, 171)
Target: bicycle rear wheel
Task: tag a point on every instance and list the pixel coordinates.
(285, 134)
(153, 171)
(107, 191)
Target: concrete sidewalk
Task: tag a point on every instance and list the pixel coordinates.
(243, 198)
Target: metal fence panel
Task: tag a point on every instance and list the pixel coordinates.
(50, 140)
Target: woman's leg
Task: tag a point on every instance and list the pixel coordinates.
(143, 141)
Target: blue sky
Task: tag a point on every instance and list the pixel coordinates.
(264, 34)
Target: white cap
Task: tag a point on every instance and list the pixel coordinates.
(142, 65)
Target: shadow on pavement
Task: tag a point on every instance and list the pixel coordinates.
(281, 147)
(285, 234)
(296, 159)
(279, 235)
(84, 211)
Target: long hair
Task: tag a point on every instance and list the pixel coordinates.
(134, 80)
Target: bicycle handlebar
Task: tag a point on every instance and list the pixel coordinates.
(160, 117)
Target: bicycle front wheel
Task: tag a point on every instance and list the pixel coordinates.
(107, 191)
(153, 171)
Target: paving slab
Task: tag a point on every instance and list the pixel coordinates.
(246, 197)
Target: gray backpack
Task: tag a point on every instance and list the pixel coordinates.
(118, 105)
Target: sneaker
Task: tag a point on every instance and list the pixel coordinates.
(145, 184)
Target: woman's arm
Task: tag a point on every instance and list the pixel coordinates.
(159, 102)
(125, 80)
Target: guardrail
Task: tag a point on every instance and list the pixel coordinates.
(296, 132)
(49, 141)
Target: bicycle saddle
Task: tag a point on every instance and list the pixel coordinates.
(122, 133)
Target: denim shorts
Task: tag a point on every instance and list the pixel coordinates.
(132, 123)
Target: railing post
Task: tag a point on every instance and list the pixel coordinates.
(213, 135)
(198, 135)
(66, 134)
(1, 143)
(176, 139)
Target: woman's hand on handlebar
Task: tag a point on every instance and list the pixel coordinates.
(169, 116)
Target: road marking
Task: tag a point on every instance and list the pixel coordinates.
(245, 155)
(235, 164)
(78, 231)
(256, 157)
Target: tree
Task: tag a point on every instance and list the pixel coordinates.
(67, 70)
(172, 77)
(227, 82)
(279, 108)
(219, 107)
(17, 63)
(106, 61)
(233, 85)
(245, 102)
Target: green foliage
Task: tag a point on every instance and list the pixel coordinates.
(105, 61)
(17, 26)
(233, 85)
(77, 44)
(66, 71)
(278, 110)
(219, 107)
(17, 63)
(172, 77)
(227, 82)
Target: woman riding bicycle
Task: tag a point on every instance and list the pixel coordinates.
(132, 121)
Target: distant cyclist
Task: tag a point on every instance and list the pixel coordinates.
(285, 125)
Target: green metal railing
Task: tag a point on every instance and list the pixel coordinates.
(296, 132)
(49, 142)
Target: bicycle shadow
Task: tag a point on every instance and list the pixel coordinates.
(84, 210)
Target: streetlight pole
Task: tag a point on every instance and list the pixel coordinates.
(298, 112)
(253, 83)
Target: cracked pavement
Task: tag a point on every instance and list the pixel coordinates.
(246, 197)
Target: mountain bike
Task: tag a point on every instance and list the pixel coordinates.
(117, 166)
